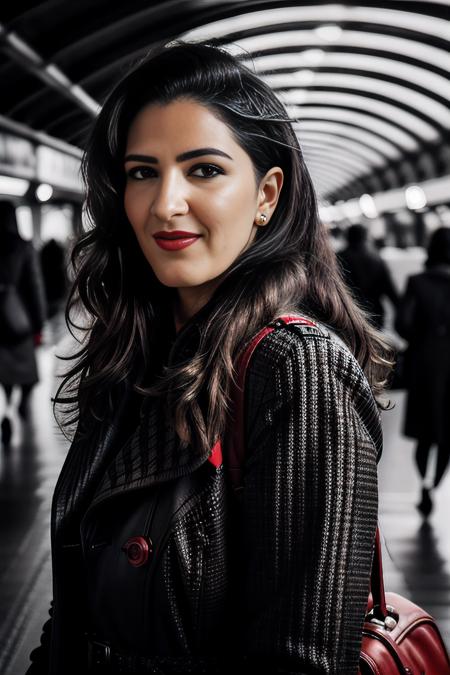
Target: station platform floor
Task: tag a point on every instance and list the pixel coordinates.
(416, 553)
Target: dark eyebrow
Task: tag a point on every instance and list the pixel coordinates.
(180, 158)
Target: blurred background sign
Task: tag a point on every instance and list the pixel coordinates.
(17, 156)
(58, 168)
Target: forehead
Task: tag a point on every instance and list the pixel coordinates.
(179, 122)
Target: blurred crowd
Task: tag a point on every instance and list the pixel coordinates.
(422, 319)
(32, 290)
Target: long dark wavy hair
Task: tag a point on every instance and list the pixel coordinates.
(289, 267)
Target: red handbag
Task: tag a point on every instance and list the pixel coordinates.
(399, 638)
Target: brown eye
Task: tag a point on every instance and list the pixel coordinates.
(141, 172)
(208, 170)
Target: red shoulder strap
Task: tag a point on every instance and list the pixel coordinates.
(236, 448)
(235, 442)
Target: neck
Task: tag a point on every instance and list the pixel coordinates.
(187, 304)
(190, 300)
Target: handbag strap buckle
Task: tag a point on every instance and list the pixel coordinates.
(388, 621)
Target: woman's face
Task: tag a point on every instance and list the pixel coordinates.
(186, 172)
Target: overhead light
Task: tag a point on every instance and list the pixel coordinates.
(57, 75)
(367, 205)
(22, 48)
(312, 56)
(328, 214)
(351, 209)
(336, 13)
(304, 76)
(415, 197)
(328, 32)
(15, 187)
(44, 192)
(25, 222)
(84, 98)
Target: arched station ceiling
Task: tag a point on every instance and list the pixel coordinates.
(366, 84)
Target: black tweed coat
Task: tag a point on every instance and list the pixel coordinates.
(275, 584)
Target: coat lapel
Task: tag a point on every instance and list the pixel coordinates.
(82, 469)
(153, 454)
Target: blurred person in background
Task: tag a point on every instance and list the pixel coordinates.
(366, 274)
(423, 319)
(53, 264)
(22, 313)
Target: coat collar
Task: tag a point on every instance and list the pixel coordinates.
(152, 455)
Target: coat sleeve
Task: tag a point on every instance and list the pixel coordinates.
(309, 508)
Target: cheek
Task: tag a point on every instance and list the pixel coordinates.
(228, 212)
(237, 197)
(232, 226)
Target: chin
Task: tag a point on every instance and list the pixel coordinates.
(178, 281)
(179, 278)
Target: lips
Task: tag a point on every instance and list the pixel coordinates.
(175, 234)
(175, 240)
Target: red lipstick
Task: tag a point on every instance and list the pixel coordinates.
(175, 239)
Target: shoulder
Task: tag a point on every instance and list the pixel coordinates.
(312, 367)
(417, 280)
(310, 350)
(421, 287)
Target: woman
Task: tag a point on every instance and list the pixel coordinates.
(156, 568)
(424, 321)
(22, 313)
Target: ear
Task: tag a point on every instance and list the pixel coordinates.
(269, 191)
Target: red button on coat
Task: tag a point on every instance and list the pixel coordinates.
(137, 550)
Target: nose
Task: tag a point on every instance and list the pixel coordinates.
(170, 198)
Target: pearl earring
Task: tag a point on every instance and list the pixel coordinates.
(262, 219)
